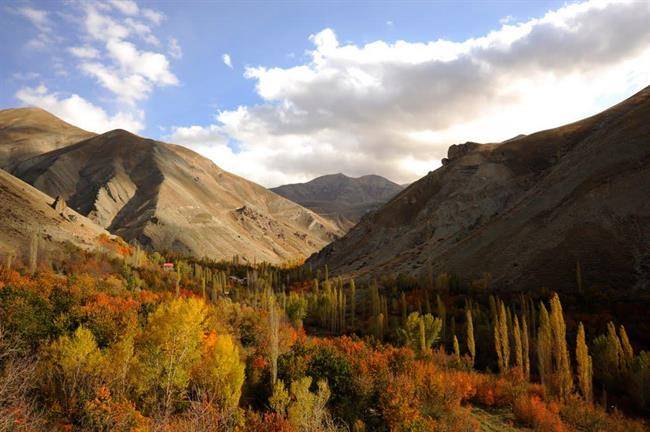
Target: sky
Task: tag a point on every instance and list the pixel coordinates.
(284, 91)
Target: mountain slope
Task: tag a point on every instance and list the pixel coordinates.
(169, 198)
(525, 211)
(25, 211)
(27, 132)
(341, 198)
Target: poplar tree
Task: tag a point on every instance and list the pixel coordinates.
(544, 347)
(584, 365)
(274, 330)
(519, 352)
(563, 376)
(471, 346)
(501, 338)
(627, 353)
(456, 349)
(525, 347)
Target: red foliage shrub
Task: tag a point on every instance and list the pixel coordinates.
(533, 412)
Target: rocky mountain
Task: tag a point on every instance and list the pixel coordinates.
(27, 132)
(525, 213)
(341, 198)
(26, 212)
(167, 197)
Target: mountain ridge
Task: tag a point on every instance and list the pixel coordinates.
(510, 209)
(340, 197)
(167, 197)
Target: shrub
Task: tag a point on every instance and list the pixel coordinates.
(533, 412)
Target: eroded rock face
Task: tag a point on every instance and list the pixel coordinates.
(459, 150)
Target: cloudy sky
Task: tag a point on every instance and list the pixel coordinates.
(283, 92)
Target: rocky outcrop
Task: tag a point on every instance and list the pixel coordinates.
(456, 151)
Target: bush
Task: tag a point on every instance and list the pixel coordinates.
(533, 412)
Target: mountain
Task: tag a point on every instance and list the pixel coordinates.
(168, 197)
(341, 198)
(27, 132)
(25, 211)
(525, 213)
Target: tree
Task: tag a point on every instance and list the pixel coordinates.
(307, 411)
(280, 399)
(563, 378)
(544, 347)
(502, 338)
(73, 369)
(219, 375)
(456, 350)
(471, 345)
(169, 349)
(420, 332)
(525, 344)
(519, 352)
(584, 365)
(274, 339)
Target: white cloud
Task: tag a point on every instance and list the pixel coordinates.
(84, 52)
(40, 19)
(155, 17)
(110, 36)
(121, 67)
(394, 108)
(78, 111)
(127, 7)
(175, 50)
(226, 60)
(25, 76)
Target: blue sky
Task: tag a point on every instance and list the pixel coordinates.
(319, 87)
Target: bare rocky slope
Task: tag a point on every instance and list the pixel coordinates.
(27, 132)
(523, 212)
(167, 197)
(341, 198)
(26, 212)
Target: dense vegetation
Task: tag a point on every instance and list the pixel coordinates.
(112, 341)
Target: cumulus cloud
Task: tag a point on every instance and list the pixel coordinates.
(226, 60)
(78, 111)
(114, 40)
(394, 108)
(122, 67)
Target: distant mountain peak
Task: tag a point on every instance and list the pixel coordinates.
(340, 197)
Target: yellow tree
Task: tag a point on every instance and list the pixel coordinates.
(170, 346)
(219, 375)
(584, 365)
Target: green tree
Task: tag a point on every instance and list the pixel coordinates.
(420, 332)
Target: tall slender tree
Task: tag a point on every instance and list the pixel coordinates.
(584, 365)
